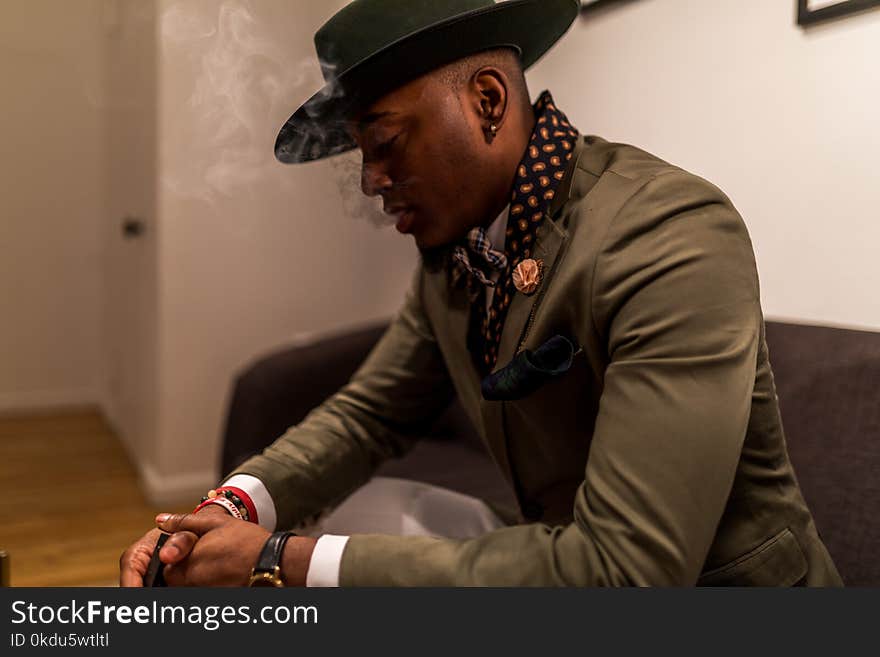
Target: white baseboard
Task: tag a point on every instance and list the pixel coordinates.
(160, 489)
(27, 401)
(176, 489)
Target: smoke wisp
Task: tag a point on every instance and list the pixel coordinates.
(246, 85)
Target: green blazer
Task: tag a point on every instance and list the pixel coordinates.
(658, 458)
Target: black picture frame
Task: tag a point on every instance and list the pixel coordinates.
(807, 16)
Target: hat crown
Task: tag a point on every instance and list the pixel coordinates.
(371, 47)
(365, 27)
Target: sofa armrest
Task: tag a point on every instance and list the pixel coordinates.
(278, 390)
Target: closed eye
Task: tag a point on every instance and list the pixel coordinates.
(382, 150)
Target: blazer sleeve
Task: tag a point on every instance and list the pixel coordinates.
(675, 302)
(390, 401)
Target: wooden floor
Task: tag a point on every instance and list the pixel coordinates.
(72, 500)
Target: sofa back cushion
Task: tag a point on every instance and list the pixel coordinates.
(828, 382)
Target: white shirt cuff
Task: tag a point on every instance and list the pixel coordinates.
(326, 561)
(259, 496)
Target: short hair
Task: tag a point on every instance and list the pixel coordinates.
(459, 72)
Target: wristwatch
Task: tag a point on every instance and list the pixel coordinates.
(267, 572)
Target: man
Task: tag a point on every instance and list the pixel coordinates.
(595, 310)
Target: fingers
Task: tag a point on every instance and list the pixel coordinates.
(197, 523)
(132, 567)
(134, 561)
(221, 557)
(185, 530)
(177, 547)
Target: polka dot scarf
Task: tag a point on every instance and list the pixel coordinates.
(537, 179)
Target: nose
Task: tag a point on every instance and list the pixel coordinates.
(374, 179)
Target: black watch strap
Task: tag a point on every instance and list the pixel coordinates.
(270, 557)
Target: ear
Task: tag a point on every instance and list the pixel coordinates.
(490, 88)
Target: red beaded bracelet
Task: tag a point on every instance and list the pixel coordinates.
(221, 501)
(246, 500)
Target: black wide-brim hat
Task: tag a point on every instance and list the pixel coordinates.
(372, 47)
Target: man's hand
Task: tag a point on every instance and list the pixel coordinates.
(134, 561)
(222, 552)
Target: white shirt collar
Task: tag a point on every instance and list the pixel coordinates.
(497, 231)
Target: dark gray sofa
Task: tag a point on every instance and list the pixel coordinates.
(828, 382)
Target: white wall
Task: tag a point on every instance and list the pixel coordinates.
(167, 111)
(785, 121)
(51, 204)
(252, 253)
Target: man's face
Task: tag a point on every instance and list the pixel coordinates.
(423, 151)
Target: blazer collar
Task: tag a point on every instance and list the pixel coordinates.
(550, 246)
(582, 158)
(551, 240)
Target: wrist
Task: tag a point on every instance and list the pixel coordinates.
(296, 558)
(214, 509)
(234, 500)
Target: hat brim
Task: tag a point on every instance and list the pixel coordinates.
(317, 129)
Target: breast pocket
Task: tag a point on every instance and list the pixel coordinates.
(530, 370)
(549, 431)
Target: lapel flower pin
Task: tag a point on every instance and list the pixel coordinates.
(527, 275)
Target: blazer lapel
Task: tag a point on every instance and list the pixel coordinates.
(550, 241)
(457, 320)
(549, 247)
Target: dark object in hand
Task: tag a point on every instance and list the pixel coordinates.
(154, 575)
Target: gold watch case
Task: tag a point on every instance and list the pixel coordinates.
(266, 578)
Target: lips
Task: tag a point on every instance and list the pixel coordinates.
(405, 217)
